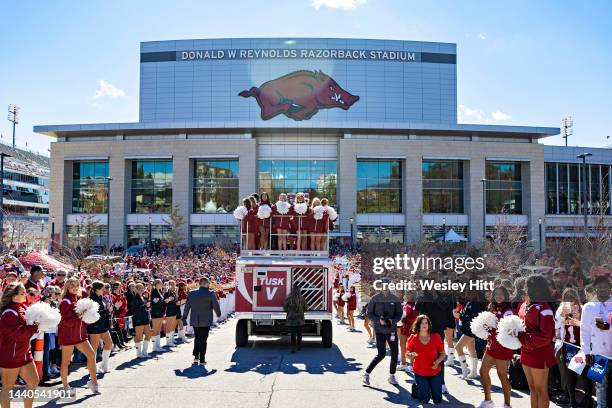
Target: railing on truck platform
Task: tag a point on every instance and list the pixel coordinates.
(285, 236)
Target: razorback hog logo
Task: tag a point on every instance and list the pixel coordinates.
(299, 95)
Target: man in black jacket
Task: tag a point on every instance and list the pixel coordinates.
(384, 311)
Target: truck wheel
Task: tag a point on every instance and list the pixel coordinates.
(326, 333)
(242, 333)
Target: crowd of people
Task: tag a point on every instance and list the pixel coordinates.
(141, 299)
(566, 343)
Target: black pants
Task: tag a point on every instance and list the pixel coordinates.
(199, 344)
(381, 340)
(296, 337)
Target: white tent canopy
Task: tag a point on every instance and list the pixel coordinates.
(451, 236)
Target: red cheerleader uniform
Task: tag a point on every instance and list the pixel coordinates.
(250, 222)
(71, 329)
(352, 302)
(536, 340)
(121, 311)
(320, 226)
(409, 316)
(341, 302)
(15, 334)
(281, 221)
(494, 349)
(300, 221)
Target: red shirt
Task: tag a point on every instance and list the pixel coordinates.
(426, 354)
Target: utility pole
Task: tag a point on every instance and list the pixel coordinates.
(13, 116)
(567, 128)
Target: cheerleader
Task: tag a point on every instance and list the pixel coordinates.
(16, 356)
(72, 332)
(141, 321)
(404, 327)
(264, 211)
(282, 224)
(312, 220)
(322, 231)
(157, 313)
(537, 354)
(496, 354)
(249, 223)
(120, 311)
(171, 301)
(100, 330)
(300, 212)
(182, 298)
(351, 305)
(341, 303)
(470, 310)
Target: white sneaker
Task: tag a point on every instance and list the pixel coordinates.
(465, 372)
(93, 387)
(392, 380)
(506, 406)
(450, 361)
(486, 404)
(366, 378)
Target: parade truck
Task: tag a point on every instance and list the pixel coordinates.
(264, 279)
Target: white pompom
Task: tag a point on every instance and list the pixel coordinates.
(317, 212)
(300, 208)
(88, 310)
(282, 207)
(336, 295)
(508, 329)
(346, 297)
(264, 211)
(333, 215)
(240, 212)
(483, 323)
(44, 315)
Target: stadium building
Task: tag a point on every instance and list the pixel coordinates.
(370, 124)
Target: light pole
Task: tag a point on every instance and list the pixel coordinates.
(2, 156)
(52, 233)
(540, 230)
(13, 116)
(444, 229)
(566, 128)
(351, 221)
(484, 211)
(583, 156)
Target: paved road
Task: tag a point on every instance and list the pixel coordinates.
(265, 375)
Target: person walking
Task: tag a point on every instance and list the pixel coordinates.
(384, 311)
(295, 305)
(199, 307)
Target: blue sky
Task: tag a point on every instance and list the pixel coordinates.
(519, 62)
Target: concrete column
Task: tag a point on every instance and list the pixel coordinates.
(534, 198)
(346, 192)
(247, 173)
(181, 188)
(120, 201)
(60, 189)
(474, 202)
(413, 196)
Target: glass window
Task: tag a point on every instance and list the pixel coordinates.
(152, 186)
(563, 189)
(575, 199)
(139, 235)
(379, 186)
(90, 187)
(208, 234)
(551, 188)
(380, 234)
(215, 186)
(317, 178)
(442, 186)
(504, 188)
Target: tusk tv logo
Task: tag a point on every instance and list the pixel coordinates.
(299, 95)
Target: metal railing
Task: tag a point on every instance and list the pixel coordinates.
(286, 236)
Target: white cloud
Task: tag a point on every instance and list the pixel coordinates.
(337, 4)
(481, 36)
(499, 115)
(106, 89)
(477, 115)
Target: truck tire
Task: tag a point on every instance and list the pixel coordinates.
(326, 334)
(242, 333)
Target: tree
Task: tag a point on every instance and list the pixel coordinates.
(175, 222)
(84, 237)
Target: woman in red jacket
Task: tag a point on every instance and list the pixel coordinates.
(537, 354)
(72, 332)
(249, 224)
(15, 350)
(281, 222)
(341, 303)
(496, 354)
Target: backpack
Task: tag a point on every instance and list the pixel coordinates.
(518, 381)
